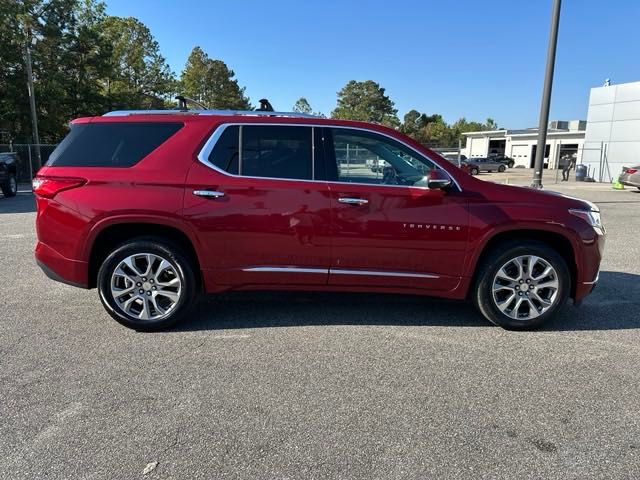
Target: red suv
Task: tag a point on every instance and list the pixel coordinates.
(154, 207)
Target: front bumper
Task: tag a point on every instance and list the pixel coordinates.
(59, 268)
(589, 274)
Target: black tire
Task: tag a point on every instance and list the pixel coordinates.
(482, 294)
(10, 186)
(511, 164)
(502, 168)
(182, 267)
(475, 171)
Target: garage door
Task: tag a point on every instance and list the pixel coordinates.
(520, 153)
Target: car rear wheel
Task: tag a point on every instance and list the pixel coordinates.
(522, 286)
(147, 284)
(10, 186)
(475, 171)
(501, 168)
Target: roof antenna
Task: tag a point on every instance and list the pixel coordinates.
(265, 106)
(184, 101)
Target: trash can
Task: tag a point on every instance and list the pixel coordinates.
(581, 173)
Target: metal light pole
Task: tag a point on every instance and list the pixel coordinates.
(546, 96)
(32, 96)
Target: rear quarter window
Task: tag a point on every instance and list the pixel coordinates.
(110, 144)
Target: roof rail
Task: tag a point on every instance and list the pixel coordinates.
(259, 113)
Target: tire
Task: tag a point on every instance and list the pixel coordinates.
(10, 186)
(474, 171)
(501, 168)
(504, 258)
(166, 304)
(511, 164)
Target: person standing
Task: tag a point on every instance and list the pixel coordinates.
(569, 164)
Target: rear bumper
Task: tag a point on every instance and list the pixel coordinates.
(62, 269)
(629, 183)
(630, 180)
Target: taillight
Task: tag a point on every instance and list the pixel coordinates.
(630, 171)
(49, 187)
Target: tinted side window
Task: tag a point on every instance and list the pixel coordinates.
(276, 151)
(110, 144)
(225, 153)
(366, 157)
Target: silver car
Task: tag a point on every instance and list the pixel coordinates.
(630, 176)
(485, 165)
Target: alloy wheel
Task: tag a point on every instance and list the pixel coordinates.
(146, 286)
(525, 287)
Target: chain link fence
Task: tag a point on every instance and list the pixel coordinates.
(26, 157)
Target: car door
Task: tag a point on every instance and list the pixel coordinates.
(388, 228)
(261, 206)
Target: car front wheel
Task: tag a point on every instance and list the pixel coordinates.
(147, 284)
(475, 171)
(501, 168)
(522, 286)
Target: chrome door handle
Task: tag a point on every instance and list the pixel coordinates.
(353, 201)
(208, 193)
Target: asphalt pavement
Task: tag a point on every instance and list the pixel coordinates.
(315, 386)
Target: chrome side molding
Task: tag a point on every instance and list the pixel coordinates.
(338, 271)
(378, 273)
(286, 270)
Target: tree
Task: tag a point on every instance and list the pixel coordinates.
(212, 83)
(491, 124)
(365, 101)
(139, 76)
(416, 125)
(302, 106)
(69, 59)
(14, 102)
(440, 134)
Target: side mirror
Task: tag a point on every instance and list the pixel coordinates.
(439, 179)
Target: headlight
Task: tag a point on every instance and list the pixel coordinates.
(592, 217)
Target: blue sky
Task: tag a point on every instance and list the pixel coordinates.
(457, 58)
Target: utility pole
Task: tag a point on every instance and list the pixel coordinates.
(32, 95)
(546, 96)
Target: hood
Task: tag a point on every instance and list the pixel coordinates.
(521, 194)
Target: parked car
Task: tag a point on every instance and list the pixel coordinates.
(153, 208)
(469, 168)
(502, 158)
(483, 164)
(8, 174)
(630, 176)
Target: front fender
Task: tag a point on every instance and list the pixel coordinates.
(487, 222)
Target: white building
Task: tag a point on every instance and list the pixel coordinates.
(607, 141)
(613, 130)
(563, 138)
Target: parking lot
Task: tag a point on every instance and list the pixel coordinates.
(302, 385)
